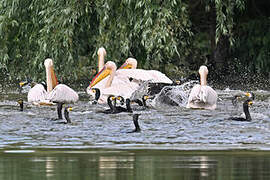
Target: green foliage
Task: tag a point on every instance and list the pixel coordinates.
(155, 32)
(147, 30)
(71, 31)
(253, 45)
(225, 10)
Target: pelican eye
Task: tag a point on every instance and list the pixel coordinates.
(93, 90)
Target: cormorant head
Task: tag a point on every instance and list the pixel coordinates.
(121, 100)
(93, 92)
(249, 101)
(28, 81)
(250, 95)
(20, 102)
(145, 97)
(66, 113)
(111, 98)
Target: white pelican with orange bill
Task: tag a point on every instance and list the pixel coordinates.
(129, 69)
(52, 92)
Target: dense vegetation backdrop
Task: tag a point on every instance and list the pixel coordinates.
(174, 36)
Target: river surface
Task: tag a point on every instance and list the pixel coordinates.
(174, 142)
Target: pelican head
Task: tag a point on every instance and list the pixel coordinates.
(101, 54)
(101, 51)
(130, 63)
(203, 71)
(108, 69)
(48, 62)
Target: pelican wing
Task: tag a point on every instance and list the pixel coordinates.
(63, 93)
(202, 97)
(120, 88)
(37, 93)
(144, 75)
(210, 95)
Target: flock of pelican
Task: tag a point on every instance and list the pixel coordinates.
(112, 82)
(122, 81)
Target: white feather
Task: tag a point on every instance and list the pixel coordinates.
(202, 97)
(63, 93)
(144, 75)
(37, 93)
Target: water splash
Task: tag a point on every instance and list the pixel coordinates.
(141, 91)
(174, 95)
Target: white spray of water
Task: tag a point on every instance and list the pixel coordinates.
(169, 95)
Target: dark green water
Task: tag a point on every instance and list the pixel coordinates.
(133, 164)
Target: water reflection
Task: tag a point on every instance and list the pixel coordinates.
(147, 164)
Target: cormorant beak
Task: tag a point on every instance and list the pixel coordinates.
(121, 99)
(103, 73)
(22, 83)
(250, 95)
(126, 66)
(148, 97)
